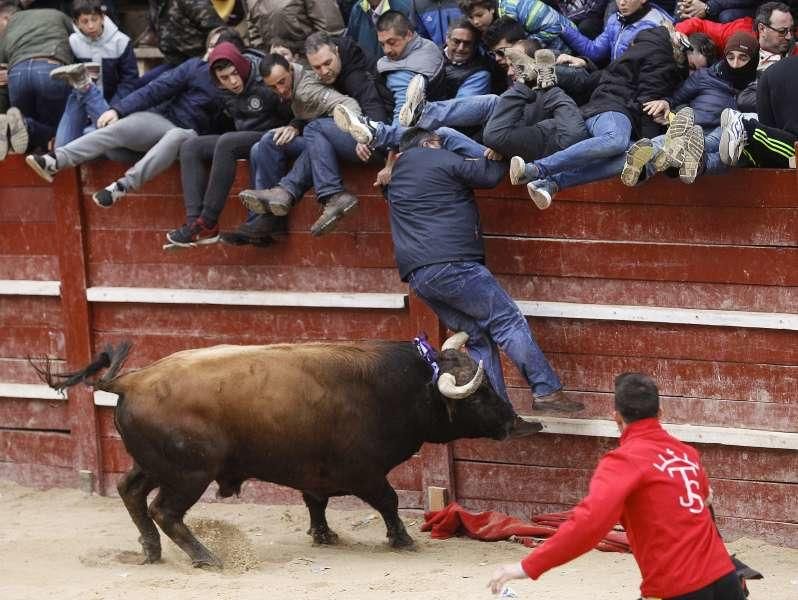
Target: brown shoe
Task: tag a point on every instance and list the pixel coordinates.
(556, 402)
(275, 200)
(522, 428)
(335, 208)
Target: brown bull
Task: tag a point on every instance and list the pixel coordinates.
(325, 419)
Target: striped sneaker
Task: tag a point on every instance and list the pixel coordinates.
(732, 136)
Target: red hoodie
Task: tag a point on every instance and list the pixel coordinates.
(656, 487)
(719, 33)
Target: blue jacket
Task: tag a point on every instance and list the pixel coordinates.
(616, 37)
(113, 50)
(186, 95)
(361, 27)
(540, 21)
(707, 94)
(434, 218)
(433, 18)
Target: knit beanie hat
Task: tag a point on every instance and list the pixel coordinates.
(744, 42)
(227, 51)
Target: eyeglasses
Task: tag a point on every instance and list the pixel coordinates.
(498, 52)
(782, 31)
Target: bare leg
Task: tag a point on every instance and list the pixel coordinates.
(384, 499)
(133, 489)
(321, 532)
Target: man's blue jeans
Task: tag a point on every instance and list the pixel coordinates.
(588, 160)
(270, 165)
(80, 115)
(471, 111)
(40, 98)
(389, 136)
(466, 297)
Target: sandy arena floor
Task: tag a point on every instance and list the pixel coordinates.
(62, 544)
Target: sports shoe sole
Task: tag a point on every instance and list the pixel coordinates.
(693, 152)
(638, 156)
(31, 162)
(414, 98)
(518, 171)
(253, 203)
(345, 122)
(540, 197)
(544, 66)
(279, 209)
(202, 242)
(727, 155)
(330, 224)
(679, 127)
(17, 132)
(3, 137)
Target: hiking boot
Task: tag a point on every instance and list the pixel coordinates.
(108, 196)
(733, 136)
(556, 402)
(673, 147)
(542, 192)
(544, 66)
(3, 137)
(637, 157)
(522, 428)
(692, 163)
(525, 66)
(75, 75)
(195, 234)
(275, 200)
(43, 164)
(358, 126)
(415, 99)
(335, 208)
(17, 131)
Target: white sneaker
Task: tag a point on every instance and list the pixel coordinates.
(732, 136)
(355, 125)
(542, 192)
(3, 137)
(17, 131)
(415, 99)
(43, 164)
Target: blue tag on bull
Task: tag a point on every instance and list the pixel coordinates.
(428, 354)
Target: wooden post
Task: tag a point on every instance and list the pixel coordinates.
(70, 228)
(437, 460)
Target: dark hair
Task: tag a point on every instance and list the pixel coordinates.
(703, 45)
(317, 40)
(467, 6)
(764, 12)
(530, 46)
(231, 36)
(270, 61)
(393, 19)
(8, 6)
(221, 63)
(413, 137)
(503, 28)
(87, 7)
(636, 397)
(463, 24)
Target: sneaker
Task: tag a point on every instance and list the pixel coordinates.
(544, 66)
(518, 171)
(43, 164)
(524, 65)
(336, 207)
(17, 131)
(275, 200)
(75, 75)
(556, 402)
(693, 155)
(673, 147)
(733, 136)
(3, 137)
(107, 196)
(196, 234)
(637, 157)
(358, 126)
(542, 192)
(415, 98)
(522, 428)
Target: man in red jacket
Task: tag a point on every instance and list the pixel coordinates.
(656, 487)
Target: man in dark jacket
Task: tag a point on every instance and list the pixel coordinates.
(613, 116)
(254, 109)
(183, 28)
(440, 252)
(155, 119)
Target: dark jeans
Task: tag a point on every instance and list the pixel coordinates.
(326, 144)
(507, 132)
(42, 100)
(205, 190)
(270, 165)
(467, 297)
(725, 588)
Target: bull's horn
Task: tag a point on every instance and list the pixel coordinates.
(447, 385)
(455, 342)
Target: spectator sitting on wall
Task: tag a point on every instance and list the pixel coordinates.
(657, 488)
(587, 15)
(719, 11)
(465, 70)
(32, 44)
(292, 21)
(183, 28)
(98, 41)
(155, 119)
(363, 22)
(433, 17)
(718, 32)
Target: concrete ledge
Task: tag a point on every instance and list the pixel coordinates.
(29, 287)
(29, 390)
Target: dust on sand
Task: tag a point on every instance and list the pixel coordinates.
(61, 544)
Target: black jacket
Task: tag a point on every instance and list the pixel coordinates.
(434, 218)
(359, 80)
(646, 71)
(777, 95)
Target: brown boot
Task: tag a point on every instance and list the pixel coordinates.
(335, 208)
(275, 200)
(522, 428)
(556, 402)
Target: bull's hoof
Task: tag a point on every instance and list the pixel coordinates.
(148, 559)
(326, 537)
(207, 562)
(152, 553)
(402, 541)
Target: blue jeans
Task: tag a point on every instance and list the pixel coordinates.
(40, 98)
(80, 115)
(389, 136)
(471, 111)
(466, 297)
(270, 163)
(586, 161)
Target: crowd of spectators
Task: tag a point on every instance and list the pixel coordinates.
(562, 92)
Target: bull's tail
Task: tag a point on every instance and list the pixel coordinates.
(111, 358)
